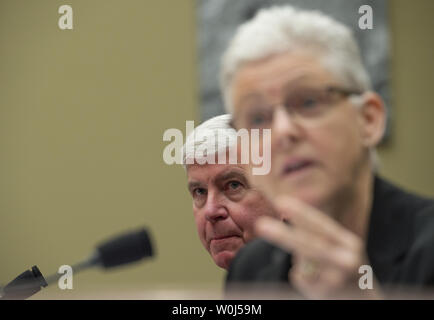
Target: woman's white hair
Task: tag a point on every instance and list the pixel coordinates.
(281, 29)
(223, 137)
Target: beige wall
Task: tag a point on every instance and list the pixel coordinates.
(408, 158)
(82, 114)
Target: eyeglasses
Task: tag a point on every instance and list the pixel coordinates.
(302, 102)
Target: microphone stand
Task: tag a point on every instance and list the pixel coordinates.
(83, 265)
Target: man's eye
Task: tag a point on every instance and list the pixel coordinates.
(234, 185)
(199, 192)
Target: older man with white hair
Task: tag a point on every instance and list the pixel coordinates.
(225, 205)
(299, 73)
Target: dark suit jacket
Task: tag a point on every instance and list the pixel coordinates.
(400, 244)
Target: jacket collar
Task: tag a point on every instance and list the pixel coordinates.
(390, 225)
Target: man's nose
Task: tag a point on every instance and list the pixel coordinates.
(285, 131)
(214, 208)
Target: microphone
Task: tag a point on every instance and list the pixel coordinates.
(125, 249)
(25, 285)
(120, 250)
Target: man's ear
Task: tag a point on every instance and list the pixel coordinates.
(373, 119)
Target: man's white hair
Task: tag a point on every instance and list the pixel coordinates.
(218, 127)
(282, 29)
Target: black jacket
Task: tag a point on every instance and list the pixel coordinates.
(400, 244)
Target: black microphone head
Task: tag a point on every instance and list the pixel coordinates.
(25, 285)
(126, 248)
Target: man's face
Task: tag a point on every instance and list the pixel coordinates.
(313, 158)
(225, 208)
